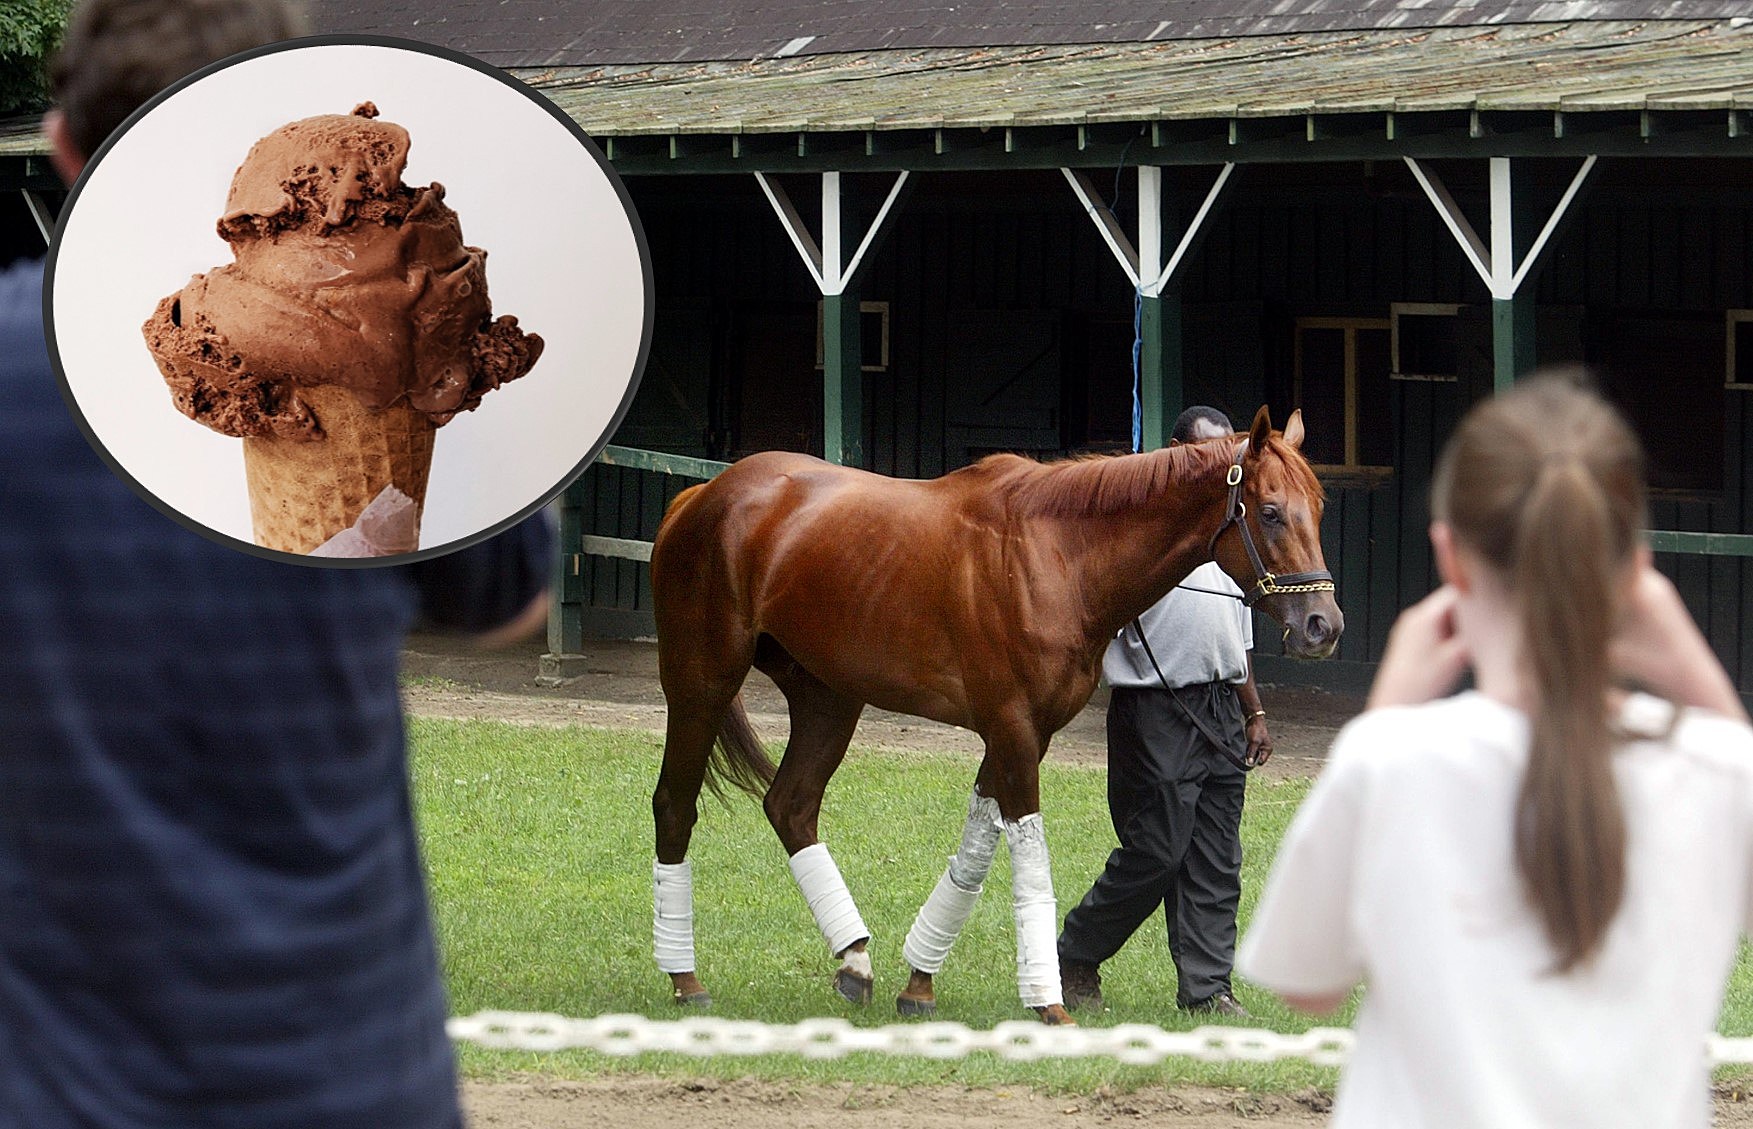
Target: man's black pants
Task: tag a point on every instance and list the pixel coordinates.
(1176, 802)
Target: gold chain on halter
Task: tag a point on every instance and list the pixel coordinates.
(1269, 586)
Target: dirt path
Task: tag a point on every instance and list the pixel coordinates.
(651, 1103)
(646, 1103)
(444, 678)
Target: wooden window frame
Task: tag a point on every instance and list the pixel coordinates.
(1350, 326)
(1732, 318)
(882, 362)
(1416, 309)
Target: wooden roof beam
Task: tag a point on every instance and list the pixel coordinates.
(41, 213)
(1495, 261)
(1038, 138)
(1509, 123)
(1592, 123)
(761, 146)
(683, 146)
(1340, 127)
(1253, 131)
(620, 148)
(1188, 131)
(896, 142)
(968, 139)
(1679, 123)
(1408, 125)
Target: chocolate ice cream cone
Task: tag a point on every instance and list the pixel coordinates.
(302, 493)
(354, 323)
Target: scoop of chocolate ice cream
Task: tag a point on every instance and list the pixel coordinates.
(344, 276)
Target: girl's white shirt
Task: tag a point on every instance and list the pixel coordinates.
(1398, 871)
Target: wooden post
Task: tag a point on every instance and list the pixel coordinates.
(842, 379)
(566, 609)
(1161, 378)
(1512, 339)
(1161, 375)
(835, 273)
(1512, 306)
(1509, 262)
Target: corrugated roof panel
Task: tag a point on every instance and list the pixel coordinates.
(561, 33)
(1584, 66)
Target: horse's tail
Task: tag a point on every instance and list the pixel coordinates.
(738, 756)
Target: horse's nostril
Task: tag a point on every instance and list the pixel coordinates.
(1317, 629)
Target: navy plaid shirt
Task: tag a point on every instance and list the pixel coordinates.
(212, 910)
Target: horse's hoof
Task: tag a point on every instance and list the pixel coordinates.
(699, 1001)
(915, 1007)
(1055, 1015)
(855, 988)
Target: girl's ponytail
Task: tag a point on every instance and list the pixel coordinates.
(1569, 829)
(1545, 484)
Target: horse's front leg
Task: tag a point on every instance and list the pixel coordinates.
(1009, 781)
(951, 903)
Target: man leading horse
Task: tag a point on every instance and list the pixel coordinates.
(982, 599)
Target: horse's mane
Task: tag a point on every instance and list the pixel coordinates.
(1093, 485)
(1097, 485)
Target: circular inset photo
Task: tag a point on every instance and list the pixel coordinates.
(349, 301)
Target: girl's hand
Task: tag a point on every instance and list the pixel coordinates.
(1425, 657)
(1659, 647)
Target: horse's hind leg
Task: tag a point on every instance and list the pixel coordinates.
(822, 723)
(698, 705)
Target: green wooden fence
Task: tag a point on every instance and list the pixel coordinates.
(579, 547)
(687, 466)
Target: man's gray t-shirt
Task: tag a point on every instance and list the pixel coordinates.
(1196, 636)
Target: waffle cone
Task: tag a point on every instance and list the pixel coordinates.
(303, 493)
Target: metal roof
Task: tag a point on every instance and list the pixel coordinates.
(1576, 66)
(1645, 88)
(518, 33)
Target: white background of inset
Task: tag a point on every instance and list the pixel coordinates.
(562, 258)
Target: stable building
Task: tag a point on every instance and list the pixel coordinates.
(902, 236)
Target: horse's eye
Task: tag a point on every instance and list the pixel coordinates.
(1271, 513)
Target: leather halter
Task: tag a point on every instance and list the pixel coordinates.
(1265, 583)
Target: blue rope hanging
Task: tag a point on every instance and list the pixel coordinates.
(1137, 364)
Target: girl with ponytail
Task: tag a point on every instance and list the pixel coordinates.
(1541, 880)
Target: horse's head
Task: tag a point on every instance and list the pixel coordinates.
(1270, 541)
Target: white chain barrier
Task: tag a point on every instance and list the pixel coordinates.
(1133, 1043)
(1136, 1044)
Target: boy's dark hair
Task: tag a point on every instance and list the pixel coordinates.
(116, 54)
(1189, 419)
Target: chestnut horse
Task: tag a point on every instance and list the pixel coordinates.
(982, 599)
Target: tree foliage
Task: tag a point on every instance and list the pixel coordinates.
(29, 31)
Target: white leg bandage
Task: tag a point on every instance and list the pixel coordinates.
(941, 919)
(1037, 953)
(829, 900)
(672, 922)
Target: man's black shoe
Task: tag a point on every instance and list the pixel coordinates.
(1081, 983)
(1221, 1002)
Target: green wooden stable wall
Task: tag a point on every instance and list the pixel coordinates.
(1009, 327)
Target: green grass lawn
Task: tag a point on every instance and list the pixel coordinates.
(539, 849)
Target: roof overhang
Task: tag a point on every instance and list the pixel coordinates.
(1612, 88)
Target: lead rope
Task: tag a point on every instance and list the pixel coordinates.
(1198, 722)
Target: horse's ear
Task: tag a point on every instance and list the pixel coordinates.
(1259, 431)
(1293, 430)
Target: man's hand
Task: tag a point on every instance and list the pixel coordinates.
(1259, 742)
